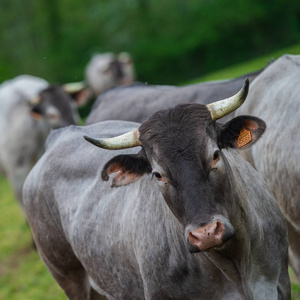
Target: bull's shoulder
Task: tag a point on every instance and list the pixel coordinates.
(70, 161)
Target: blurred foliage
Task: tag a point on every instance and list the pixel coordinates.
(246, 67)
(170, 41)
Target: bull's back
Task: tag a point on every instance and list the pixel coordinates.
(138, 102)
(130, 103)
(274, 97)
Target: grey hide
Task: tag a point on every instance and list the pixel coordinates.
(139, 101)
(277, 156)
(107, 70)
(127, 244)
(22, 136)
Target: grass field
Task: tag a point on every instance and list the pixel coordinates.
(22, 274)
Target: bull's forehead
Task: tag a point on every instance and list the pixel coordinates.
(179, 162)
(179, 135)
(179, 127)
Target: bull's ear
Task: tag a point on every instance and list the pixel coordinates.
(129, 168)
(241, 132)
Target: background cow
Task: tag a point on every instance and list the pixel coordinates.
(108, 70)
(29, 109)
(138, 102)
(278, 157)
(203, 226)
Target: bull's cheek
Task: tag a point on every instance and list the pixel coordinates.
(174, 205)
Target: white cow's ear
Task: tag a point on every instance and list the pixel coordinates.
(241, 132)
(36, 113)
(129, 169)
(82, 97)
(79, 92)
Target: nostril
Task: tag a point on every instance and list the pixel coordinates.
(192, 238)
(210, 235)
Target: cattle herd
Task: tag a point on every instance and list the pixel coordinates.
(166, 192)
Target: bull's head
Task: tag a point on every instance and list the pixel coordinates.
(182, 147)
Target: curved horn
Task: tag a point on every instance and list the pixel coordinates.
(74, 87)
(126, 140)
(223, 107)
(35, 101)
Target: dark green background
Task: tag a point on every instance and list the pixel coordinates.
(170, 41)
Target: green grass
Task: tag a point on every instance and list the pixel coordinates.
(22, 273)
(295, 290)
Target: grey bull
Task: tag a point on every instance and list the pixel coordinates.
(29, 109)
(139, 101)
(277, 158)
(187, 217)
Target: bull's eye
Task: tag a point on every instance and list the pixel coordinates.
(157, 175)
(215, 160)
(217, 154)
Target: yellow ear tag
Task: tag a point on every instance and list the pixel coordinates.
(244, 137)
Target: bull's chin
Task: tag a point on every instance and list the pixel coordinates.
(194, 249)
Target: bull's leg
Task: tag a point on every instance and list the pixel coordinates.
(54, 248)
(294, 249)
(58, 255)
(284, 286)
(96, 296)
(72, 278)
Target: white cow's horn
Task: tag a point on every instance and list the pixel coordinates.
(126, 140)
(35, 101)
(74, 87)
(223, 107)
